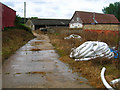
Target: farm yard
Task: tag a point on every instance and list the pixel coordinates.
(60, 49)
(90, 69)
(43, 56)
(37, 65)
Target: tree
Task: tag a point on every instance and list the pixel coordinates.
(113, 9)
(34, 17)
(17, 20)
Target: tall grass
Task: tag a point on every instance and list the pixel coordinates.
(19, 26)
(13, 39)
(89, 69)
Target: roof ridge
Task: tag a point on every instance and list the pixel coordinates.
(52, 19)
(90, 12)
(47, 19)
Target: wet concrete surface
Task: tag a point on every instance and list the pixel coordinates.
(36, 65)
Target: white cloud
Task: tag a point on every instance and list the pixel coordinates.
(57, 8)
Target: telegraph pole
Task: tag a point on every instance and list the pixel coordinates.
(24, 12)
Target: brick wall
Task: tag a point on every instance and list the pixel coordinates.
(111, 27)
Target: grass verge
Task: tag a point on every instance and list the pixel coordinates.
(13, 39)
(89, 69)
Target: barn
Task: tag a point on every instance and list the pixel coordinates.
(8, 16)
(94, 21)
(43, 23)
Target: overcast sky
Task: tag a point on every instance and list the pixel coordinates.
(56, 8)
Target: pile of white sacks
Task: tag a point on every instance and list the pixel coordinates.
(73, 36)
(90, 50)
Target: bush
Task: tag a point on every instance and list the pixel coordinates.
(20, 26)
(8, 28)
(23, 26)
(17, 20)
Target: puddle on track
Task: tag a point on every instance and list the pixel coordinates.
(39, 69)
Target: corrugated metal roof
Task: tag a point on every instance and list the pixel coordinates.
(50, 21)
(87, 17)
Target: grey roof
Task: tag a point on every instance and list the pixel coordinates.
(50, 21)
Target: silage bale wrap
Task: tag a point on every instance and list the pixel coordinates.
(106, 84)
(115, 81)
(73, 36)
(90, 50)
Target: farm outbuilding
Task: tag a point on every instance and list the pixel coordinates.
(94, 21)
(8, 16)
(43, 23)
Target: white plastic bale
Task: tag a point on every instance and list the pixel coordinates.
(104, 80)
(115, 81)
(90, 50)
(73, 36)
